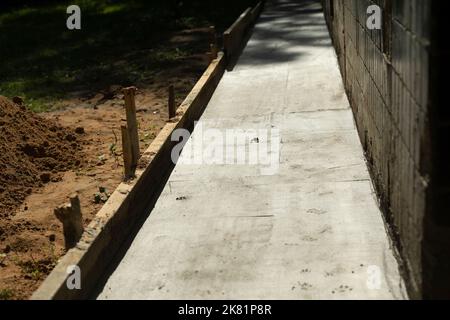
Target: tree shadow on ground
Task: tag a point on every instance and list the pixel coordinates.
(285, 25)
(120, 43)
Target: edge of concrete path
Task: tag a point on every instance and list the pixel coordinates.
(388, 225)
(236, 36)
(129, 202)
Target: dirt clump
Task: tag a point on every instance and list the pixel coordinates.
(33, 152)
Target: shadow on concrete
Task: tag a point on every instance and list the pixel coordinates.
(285, 24)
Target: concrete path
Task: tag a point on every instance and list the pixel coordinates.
(303, 222)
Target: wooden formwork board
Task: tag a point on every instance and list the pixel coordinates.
(234, 38)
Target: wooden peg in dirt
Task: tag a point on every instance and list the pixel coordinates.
(213, 35)
(128, 164)
(213, 52)
(71, 218)
(171, 103)
(132, 126)
(214, 48)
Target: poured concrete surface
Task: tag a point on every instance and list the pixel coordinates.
(307, 227)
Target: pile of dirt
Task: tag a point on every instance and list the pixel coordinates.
(33, 152)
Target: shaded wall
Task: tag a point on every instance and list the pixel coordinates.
(395, 88)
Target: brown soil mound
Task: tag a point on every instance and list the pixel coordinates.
(33, 151)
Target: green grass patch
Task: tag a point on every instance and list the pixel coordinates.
(6, 294)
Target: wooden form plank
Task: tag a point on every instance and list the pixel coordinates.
(256, 11)
(235, 37)
(232, 37)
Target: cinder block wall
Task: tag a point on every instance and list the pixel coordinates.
(398, 108)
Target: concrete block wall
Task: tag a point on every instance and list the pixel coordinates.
(389, 81)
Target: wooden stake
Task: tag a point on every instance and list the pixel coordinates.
(129, 168)
(213, 45)
(71, 218)
(227, 44)
(213, 52)
(171, 103)
(132, 126)
(213, 34)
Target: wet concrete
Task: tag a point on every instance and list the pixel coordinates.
(301, 222)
